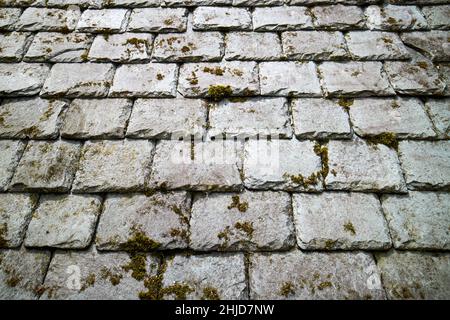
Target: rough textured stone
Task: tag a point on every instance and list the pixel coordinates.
(281, 165)
(314, 45)
(145, 80)
(415, 275)
(63, 221)
(162, 218)
(406, 117)
(257, 3)
(426, 164)
(105, 20)
(167, 118)
(434, 44)
(8, 17)
(289, 79)
(395, 18)
(374, 45)
(245, 221)
(356, 165)
(438, 17)
(281, 18)
(10, 153)
(338, 220)
(439, 111)
(252, 46)
(194, 3)
(158, 20)
(22, 79)
(221, 18)
(211, 165)
(54, 174)
(314, 275)
(96, 118)
(21, 273)
(30, 118)
(13, 45)
(444, 71)
(113, 166)
(319, 119)
(354, 79)
(48, 19)
(338, 17)
(226, 278)
(86, 80)
(257, 116)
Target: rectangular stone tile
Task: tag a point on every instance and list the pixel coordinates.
(419, 220)
(121, 165)
(195, 3)
(375, 45)
(96, 118)
(48, 19)
(340, 220)
(105, 20)
(22, 272)
(290, 165)
(22, 79)
(59, 47)
(257, 3)
(86, 80)
(221, 18)
(314, 275)
(281, 18)
(338, 17)
(438, 17)
(242, 221)
(291, 79)
(316, 2)
(425, 164)
(8, 17)
(13, 45)
(444, 71)
(10, 153)
(319, 119)
(395, 18)
(34, 118)
(356, 165)
(250, 118)
(158, 20)
(415, 275)
(354, 79)
(439, 112)
(81, 3)
(202, 166)
(15, 214)
(208, 277)
(145, 80)
(434, 44)
(406, 117)
(167, 118)
(218, 80)
(55, 174)
(314, 45)
(63, 221)
(252, 46)
(161, 220)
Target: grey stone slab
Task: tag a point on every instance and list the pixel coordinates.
(11, 151)
(375, 45)
(434, 44)
(221, 18)
(438, 17)
(158, 20)
(338, 17)
(395, 18)
(444, 71)
(252, 46)
(22, 79)
(104, 20)
(257, 3)
(439, 112)
(8, 17)
(194, 3)
(48, 19)
(281, 18)
(13, 45)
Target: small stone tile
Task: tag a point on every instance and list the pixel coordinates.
(434, 43)
(158, 20)
(338, 17)
(439, 111)
(374, 45)
(395, 18)
(105, 20)
(22, 79)
(252, 46)
(10, 153)
(48, 19)
(438, 17)
(8, 17)
(13, 45)
(281, 18)
(221, 18)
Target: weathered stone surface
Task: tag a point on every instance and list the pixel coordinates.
(105, 20)
(439, 111)
(21, 273)
(199, 79)
(63, 221)
(145, 80)
(86, 80)
(48, 19)
(210, 165)
(10, 153)
(81, 3)
(338, 17)
(30, 118)
(289, 79)
(444, 71)
(15, 214)
(438, 17)
(257, 3)
(314, 275)
(221, 18)
(356, 165)
(340, 220)
(434, 43)
(8, 17)
(281, 165)
(256, 116)
(375, 45)
(422, 2)
(315, 2)
(13, 45)
(58, 47)
(167, 118)
(245, 221)
(96, 118)
(54, 174)
(415, 275)
(426, 164)
(281, 18)
(162, 219)
(123, 47)
(252, 46)
(194, 3)
(226, 280)
(81, 275)
(395, 18)
(406, 117)
(23, 79)
(313, 45)
(319, 119)
(419, 220)
(188, 47)
(355, 79)
(113, 166)
(158, 20)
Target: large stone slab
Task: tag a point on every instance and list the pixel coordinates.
(375, 45)
(221, 18)
(439, 112)
(158, 20)
(13, 45)
(338, 17)
(105, 20)
(281, 18)
(434, 43)
(252, 46)
(48, 19)
(22, 79)
(10, 153)
(395, 18)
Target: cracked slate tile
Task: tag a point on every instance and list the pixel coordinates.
(438, 17)
(434, 44)
(11, 151)
(439, 112)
